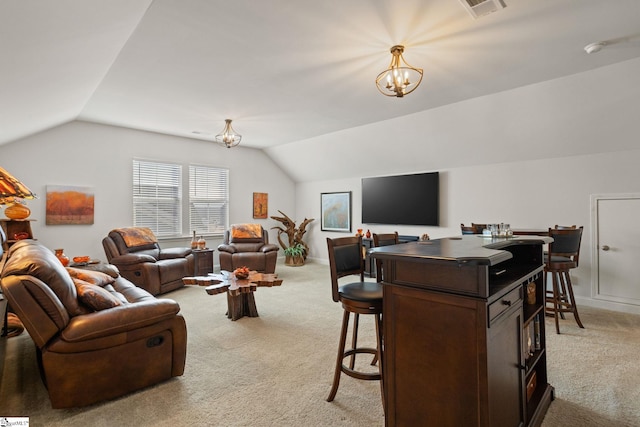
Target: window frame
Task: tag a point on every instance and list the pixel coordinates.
(218, 226)
(156, 189)
(183, 197)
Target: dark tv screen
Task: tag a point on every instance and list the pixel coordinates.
(401, 200)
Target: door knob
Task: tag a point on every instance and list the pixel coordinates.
(605, 247)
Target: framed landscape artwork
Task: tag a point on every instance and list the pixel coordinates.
(260, 205)
(336, 211)
(69, 205)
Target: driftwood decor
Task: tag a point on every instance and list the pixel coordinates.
(294, 244)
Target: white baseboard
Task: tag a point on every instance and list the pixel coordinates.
(607, 305)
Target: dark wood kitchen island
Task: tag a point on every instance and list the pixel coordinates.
(463, 345)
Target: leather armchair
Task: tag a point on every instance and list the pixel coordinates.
(97, 335)
(138, 256)
(248, 245)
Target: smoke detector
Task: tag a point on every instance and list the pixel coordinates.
(594, 47)
(478, 8)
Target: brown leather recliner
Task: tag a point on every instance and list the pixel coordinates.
(138, 256)
(248, 245)
(98, 336)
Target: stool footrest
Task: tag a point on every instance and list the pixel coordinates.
(359, 374)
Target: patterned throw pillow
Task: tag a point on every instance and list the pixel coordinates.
(94, 277)
(246, 231)
(94, 296)
(136, 236)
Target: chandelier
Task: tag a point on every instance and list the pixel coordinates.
(229, 137)
(400, 78)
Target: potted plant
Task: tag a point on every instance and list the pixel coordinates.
(295, 249)
(294, 255)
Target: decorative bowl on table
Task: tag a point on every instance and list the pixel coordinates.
(81, 259)
(241, 273)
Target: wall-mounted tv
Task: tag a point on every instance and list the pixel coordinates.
(401, 200)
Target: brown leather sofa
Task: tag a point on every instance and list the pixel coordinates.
(248, 245)
(138, 256)
(97, 335)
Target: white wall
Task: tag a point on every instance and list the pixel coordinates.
(542, 126)
(98, 156)
(533, 194)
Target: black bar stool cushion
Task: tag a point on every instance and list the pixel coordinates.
(361, 291)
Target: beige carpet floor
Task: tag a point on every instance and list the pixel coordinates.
(277, 369)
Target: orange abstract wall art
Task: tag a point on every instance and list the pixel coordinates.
(69, 205)
(260, 205)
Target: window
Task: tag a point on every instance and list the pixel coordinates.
(208, 199)
(159, 205)
(157, 197)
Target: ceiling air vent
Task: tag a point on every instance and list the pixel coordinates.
(478, 8)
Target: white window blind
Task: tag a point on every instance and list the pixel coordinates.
(208, 199)
(157, 197)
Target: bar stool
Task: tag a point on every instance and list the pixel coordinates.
(345, 258)
(563, 255)
(383, 240)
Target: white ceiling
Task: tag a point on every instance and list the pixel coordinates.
(283, 70)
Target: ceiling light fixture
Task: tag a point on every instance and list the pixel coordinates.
(229, 137)
(400, 78)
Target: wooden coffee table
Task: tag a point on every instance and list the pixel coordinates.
(240, 298)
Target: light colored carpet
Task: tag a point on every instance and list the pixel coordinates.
(277, 369)
(595, 371)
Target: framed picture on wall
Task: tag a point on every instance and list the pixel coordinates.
(69, 205)
(260, 205)
(336, 211)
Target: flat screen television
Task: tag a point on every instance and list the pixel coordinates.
(401, 199)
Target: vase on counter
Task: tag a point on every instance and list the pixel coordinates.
(194, 241)
(368, 235)
(202, 244)
(64, 260)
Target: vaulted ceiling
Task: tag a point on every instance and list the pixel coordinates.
(283, 70)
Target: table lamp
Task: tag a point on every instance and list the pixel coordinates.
(12, 192)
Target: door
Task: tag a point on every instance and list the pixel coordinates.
(505, 360)
(617, 248)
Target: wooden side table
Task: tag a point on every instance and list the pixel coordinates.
(202, 262)
(14, 227)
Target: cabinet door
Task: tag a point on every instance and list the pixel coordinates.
(505, 361)
(434, 358)
(203, 262)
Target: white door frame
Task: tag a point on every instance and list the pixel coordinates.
(595, 245)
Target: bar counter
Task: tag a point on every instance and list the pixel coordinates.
(458, 338)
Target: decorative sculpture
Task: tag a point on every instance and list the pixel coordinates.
(294, 237)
